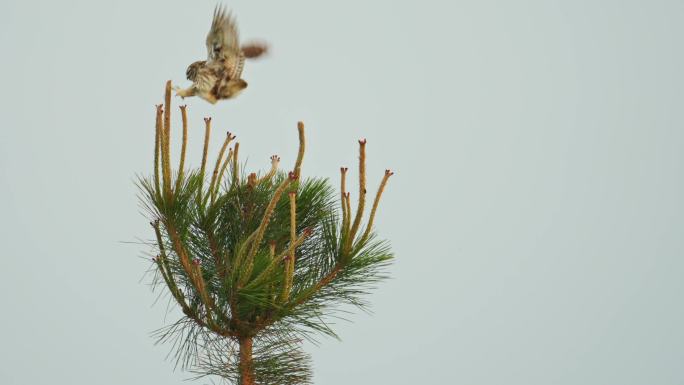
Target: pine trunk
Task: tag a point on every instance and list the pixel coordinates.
(246, 368)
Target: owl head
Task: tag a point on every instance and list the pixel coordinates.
(191, 72)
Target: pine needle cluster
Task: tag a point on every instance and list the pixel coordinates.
(257, 262)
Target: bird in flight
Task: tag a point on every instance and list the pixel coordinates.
(219, 77)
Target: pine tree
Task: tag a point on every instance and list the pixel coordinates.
(256, 264)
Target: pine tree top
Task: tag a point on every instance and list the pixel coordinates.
(255, 261)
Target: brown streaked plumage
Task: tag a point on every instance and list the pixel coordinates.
(219, 77)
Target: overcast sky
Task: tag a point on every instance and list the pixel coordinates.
(536, 212)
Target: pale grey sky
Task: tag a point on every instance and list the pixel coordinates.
(536, 211)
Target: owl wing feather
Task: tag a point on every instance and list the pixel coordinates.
(206, 79)
(223, 44)
(223, 39)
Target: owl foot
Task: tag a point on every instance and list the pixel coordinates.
(183, 93)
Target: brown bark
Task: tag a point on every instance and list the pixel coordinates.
(246, 367)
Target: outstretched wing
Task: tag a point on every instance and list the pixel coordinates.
(222, 41)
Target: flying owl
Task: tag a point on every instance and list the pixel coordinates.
(219, 77)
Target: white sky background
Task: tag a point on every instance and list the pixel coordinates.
(536, 212)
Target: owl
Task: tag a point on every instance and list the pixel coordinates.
(219, 77)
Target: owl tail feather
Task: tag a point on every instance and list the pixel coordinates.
(254, 50)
